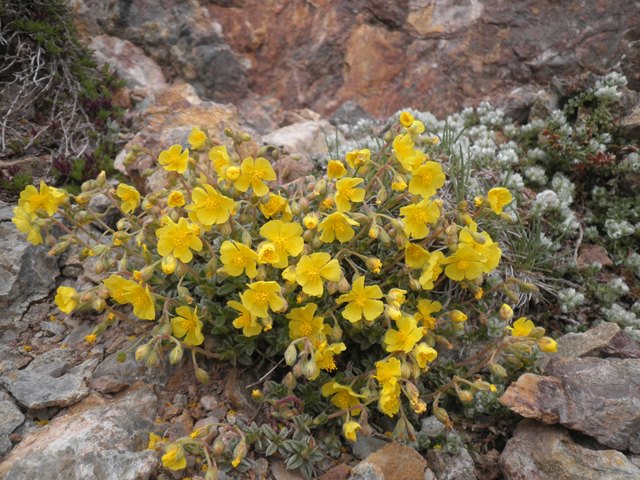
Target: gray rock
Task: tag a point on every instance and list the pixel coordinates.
(304, 138)
(112, 376)
(49, 381)
(540, 452)
(54, 328)
(10, 418)
(596, 396)
(366, 471)
(431, 426)
(27, 275)
(364, 446)
(97, 438)
(451, 466)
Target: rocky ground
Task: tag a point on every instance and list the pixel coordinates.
(71, 410)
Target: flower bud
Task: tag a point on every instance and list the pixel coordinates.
(101, 178)
(442, 415)
(506, 312)
(498, 370)
(218, 447)
(152, 359)
(169, 264)
(465, 396)
(98, 304)
(457, 316)
(310, 370)
(176, 354)
(290, 355)
(202, 376)
(289, 381)
(547, 344)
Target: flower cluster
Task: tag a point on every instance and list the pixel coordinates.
(359, 278)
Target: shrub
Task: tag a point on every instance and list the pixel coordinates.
(379, 285)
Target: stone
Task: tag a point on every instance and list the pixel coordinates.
(209, 402)
(49, 381)
(97, 438)
(339, 472)
(398, 462)
(304, 138)
(349, 113)
(451, 466)
(280, 472)
(366, 471)
(590, 254)
(10, 418)
(112, 376)
(599, 397)
(541, 452)
(431, 426)
(27, 275)
(366, 445)
(129, 61)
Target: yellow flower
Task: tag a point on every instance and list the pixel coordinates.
(324, 356)
(409, 157)
(219, 158)
(357, 158)
(464, 264)
(238, 258)
(175, 199)
(90, 339)
(153, 440)
(425, 309)
(405, 338)
(268, 254)
(489, 250)
(261, 296)
(253, 173)
(337, 225)
(287, 238)
(426, 179)
(499, 198)
(431, 270)
(347, 193)
(522, 327)
(363, 301)
(168, 264)
(349, 430)
(388, 371)
(116, 285)
(187, 325)
(174, 159)
(246, 321)
(417, 128)
(174, 459)
(374, 264)
(458, 317)
(302, 323)
(141, 300)
(336, 169)
(178, 239)
(415, 256)
(66, 299)
(197, 138)
(398, 184)
(417, 216)
(130, 197)
(48, 199)
(547, 344)
(209, 206)
(342, 396)
(310, 221)
(24, 222)
(424, 354)
(274, 206)
(506, 312)
(312, 269)
(389, 401)
(406, 119)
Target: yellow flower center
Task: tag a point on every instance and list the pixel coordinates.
(329, 365)
(212, 203)
(463, 264)
(341, 400)
(360, 300)
(180, 238)
(426, 177)
(190, 324)
(313, 273)
(238, 260)
(305, 329)
(261, 298)
(339, 228)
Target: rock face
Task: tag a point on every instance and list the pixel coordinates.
(97, 438)
(447, 466)
(10, 418)
(393, 461)
(541, 452)
(27, 275)
(430, 54)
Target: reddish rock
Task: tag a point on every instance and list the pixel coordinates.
(590, 254)
(339, 472)
(398, 462)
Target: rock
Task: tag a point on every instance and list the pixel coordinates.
(349, 113)
(27, 275)
(540, 452)
(97, 438)
(129, 62)
(606, 339)
(280, 472)
(596, 396)
(630, 124)
(304, 138)
(431, 426)
(451, 466)
(113, 376)
(396, 461)
(209, 402)
(366, 445)
(10, 418)
(366, 471)
(54, 328)
(339, 472)
(590, 254)
(49, 381)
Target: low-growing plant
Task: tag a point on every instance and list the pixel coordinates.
(375, 290)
